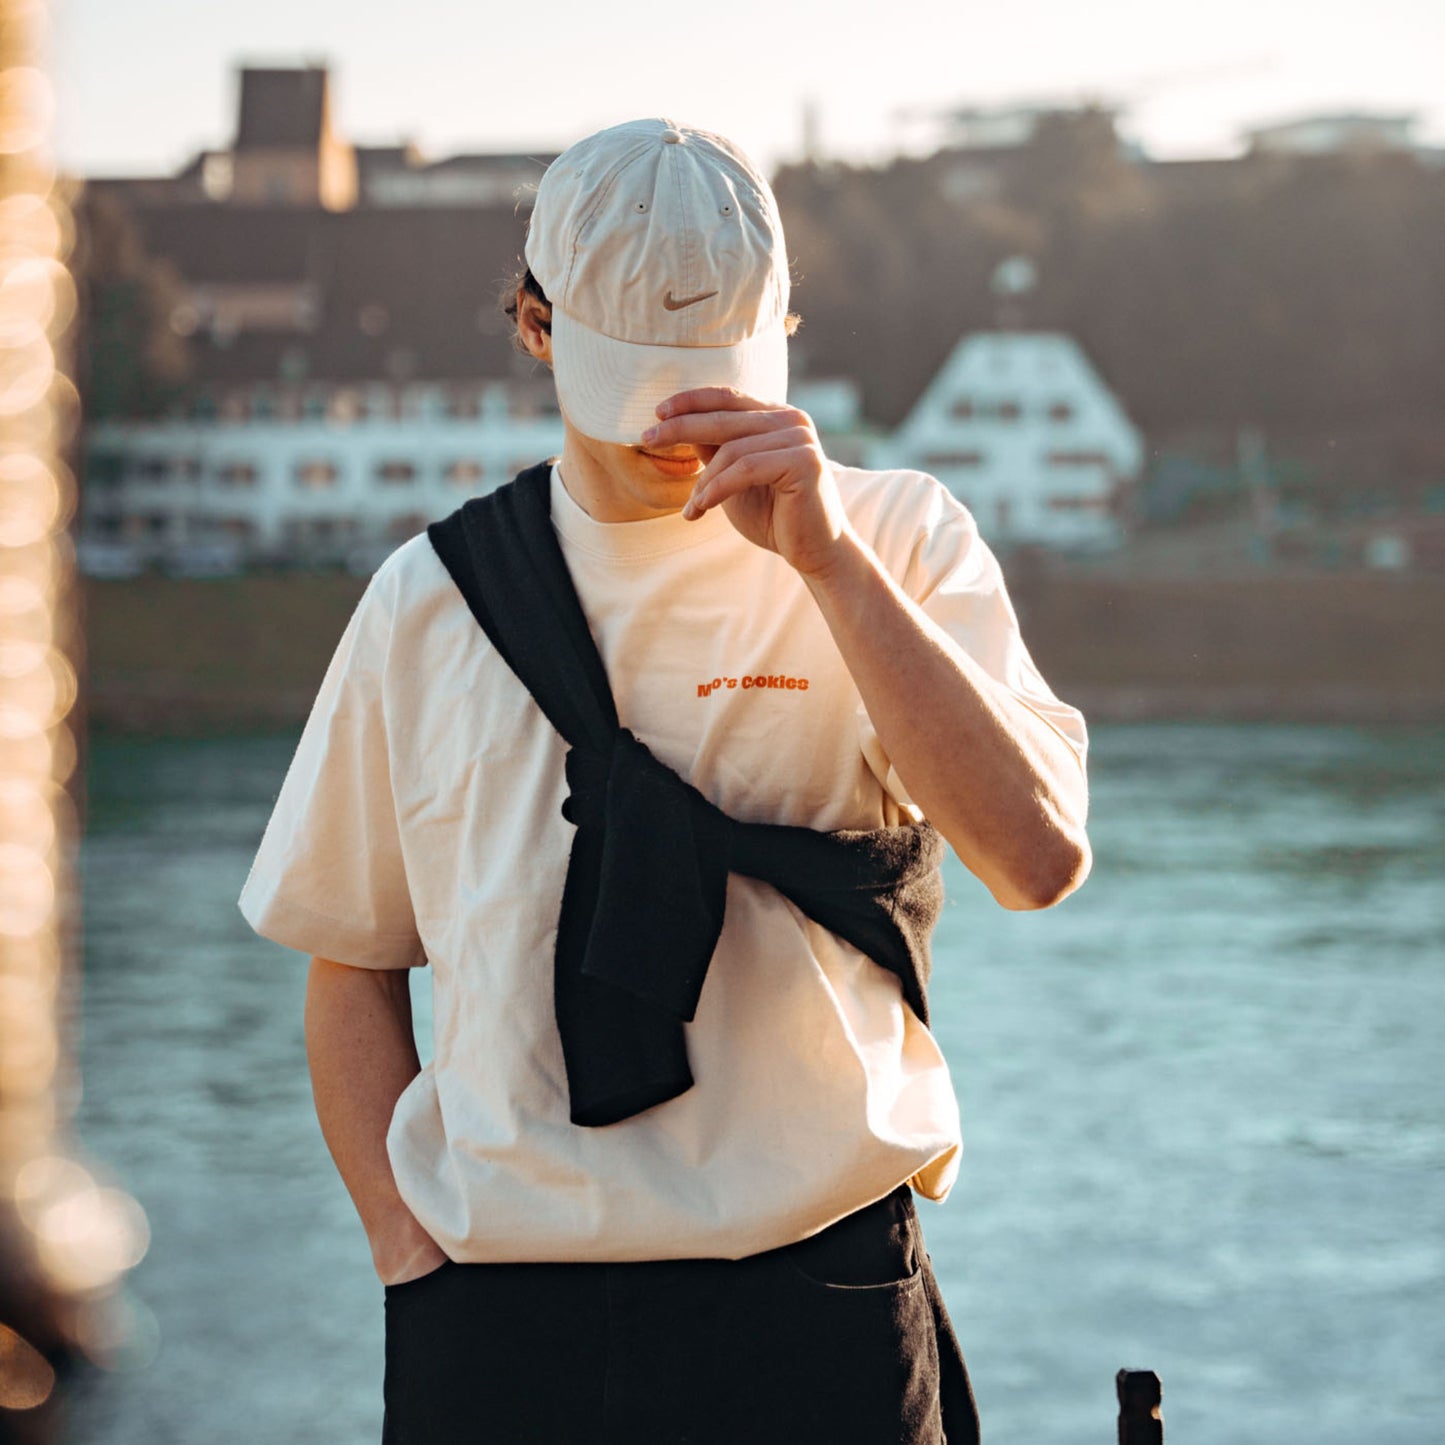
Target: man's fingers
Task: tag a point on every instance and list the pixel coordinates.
(783, 440)
(713, 428)
(760, 468)
(761, 460)
(713, 398)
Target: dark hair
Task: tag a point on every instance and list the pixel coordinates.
(527, 282)
(533, 287)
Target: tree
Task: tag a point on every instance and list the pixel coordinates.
(131, 361)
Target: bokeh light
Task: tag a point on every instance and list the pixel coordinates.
(68, 1237)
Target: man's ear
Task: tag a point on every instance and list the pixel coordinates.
(534, 324)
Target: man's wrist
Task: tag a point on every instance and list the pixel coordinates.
(839, 569)
(400, 1248)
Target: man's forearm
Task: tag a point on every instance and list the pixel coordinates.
(362, 1053)
(1000, 784)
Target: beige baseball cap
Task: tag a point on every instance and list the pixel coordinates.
(661, 251)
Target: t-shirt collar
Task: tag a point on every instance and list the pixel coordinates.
(629, 541)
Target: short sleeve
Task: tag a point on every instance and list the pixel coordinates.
(329, 876)
(943, 563)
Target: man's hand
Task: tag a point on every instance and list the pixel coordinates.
(765, 468)
(362, 1052)
(402, 1250)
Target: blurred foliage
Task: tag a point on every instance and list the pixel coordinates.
(1285, 292)
(132, 362)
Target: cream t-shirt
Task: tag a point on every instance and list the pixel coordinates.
(420, 823)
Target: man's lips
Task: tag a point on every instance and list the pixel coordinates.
(688, 464)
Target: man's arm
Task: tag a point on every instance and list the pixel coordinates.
(998, 782)
(362, 1052)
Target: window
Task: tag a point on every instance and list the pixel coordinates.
(1007, 411)
(953, 459)
(242, 529)
(152, 469)
(962, 409)
(104, 469)
(263, 406)
(317, 530)
(462, 404)
(1078, 504)
(313, 406)
(387, 402)
(235, 407)
(237, 474)
(1077, 459)
(463, 472)
(217, 176)
(529, 401)
(346, 406)
(400, 528)
(395, 473)
(1061, 411)
(316, 475)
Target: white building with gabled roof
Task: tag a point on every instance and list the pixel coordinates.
(1024, 432)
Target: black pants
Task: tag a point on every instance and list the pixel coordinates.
(838, 1339)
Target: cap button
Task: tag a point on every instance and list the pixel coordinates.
(672, 137)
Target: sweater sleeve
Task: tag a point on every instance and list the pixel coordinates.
(329, 876)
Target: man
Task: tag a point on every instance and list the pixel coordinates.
(727, 1250)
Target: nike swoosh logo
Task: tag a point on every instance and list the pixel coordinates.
(673, 303)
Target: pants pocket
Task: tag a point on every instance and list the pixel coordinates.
(862, 1346)
(878, 1247)
(419, 1284)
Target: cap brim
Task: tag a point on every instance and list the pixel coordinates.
(610, 389)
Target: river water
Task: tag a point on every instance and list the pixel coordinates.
(1202, 1104)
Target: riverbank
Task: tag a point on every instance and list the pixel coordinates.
(189, 656)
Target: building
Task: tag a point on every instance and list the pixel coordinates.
(354, 376)
(1346, 133)
(975, 153)
(1024, 432)
(287, 154)
(326, 475)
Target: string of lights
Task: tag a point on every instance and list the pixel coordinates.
(66, 1237)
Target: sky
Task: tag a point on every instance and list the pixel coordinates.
(143, 84)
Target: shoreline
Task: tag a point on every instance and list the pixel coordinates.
(199, 657)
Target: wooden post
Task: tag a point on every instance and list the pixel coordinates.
(1140, 1393)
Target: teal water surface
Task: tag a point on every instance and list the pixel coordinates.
(1202, 1106)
